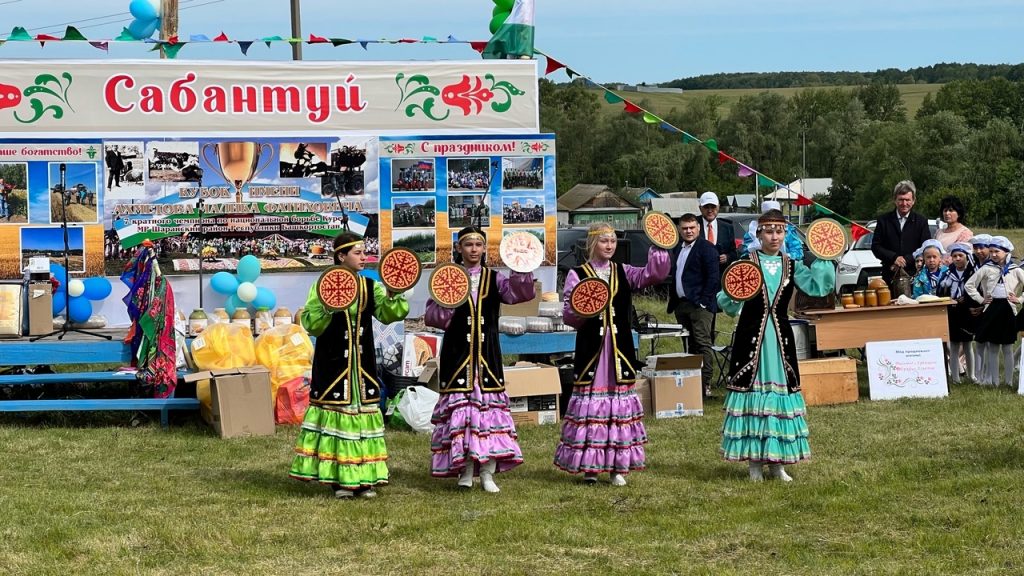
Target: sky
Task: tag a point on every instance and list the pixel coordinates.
(607, 40)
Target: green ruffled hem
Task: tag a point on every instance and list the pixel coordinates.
(771, 402)
(352, 477)
(343, 448)
(765, 426)
(348, 425)
(771, 450)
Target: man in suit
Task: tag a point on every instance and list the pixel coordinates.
(899, 233)
(695, 282)
(716, 231)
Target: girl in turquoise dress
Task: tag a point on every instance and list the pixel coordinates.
(764, 410)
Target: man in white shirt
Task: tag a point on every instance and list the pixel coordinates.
(718, 232)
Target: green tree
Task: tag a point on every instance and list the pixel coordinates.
(882, 102)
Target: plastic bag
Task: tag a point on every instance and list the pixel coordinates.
(223, 346)
(415, 405)
(902, 283)
(286, 352)
(291, 401)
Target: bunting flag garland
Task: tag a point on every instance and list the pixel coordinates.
(802, 200)
(858, 231)
(744, 171)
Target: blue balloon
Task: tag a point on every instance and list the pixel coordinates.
(264, 298)
(58, 272)
(248, 269)
(232, 304)
(224, 283)
(60, 299)
(96, 288)
(79, 309)
(144, 10)
(140, 29)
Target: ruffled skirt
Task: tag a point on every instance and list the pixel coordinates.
(766, 425)
(471, 429)
(603, 431)
(341, 446)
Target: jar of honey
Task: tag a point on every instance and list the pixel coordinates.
(858, 297)
(846, 299)
(871, 298)
(884, 296)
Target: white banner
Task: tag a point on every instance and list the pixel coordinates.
(73, 98)
(907, 369)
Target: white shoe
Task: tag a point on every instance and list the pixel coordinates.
(487, 477)
(342, 494)
(778, 472)
(618, 480)
(369, 493)
(466, 479)
(756, 474)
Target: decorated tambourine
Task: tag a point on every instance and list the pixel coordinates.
(826, 239)
(661, 231)
(521, 251)
(337, 288)
(449, 285)
(742, 280)
(590, 297)
(399, 269)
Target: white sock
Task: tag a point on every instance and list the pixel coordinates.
(777, 471)
(756, 474)
(954, 362)
(466, 478)
(991, 364)
(980, 353)
(487, 477)
(969, 355)
(1008, 365)
(618, 480)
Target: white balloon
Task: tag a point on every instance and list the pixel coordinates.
(76, 288)
(246, 292)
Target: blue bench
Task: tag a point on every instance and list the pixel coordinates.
(78, 351)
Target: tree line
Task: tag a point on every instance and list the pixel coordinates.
(967, 141)
(942, 73)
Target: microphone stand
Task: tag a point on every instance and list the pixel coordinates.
(199, 209)
(63, 331)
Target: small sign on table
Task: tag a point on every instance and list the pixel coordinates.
(907, 369)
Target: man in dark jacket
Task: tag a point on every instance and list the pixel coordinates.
(718, 232)
(695, 282)
(899, 233)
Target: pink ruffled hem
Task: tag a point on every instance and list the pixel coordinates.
(473, 429)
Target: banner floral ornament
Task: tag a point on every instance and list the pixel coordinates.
(399, 148)
(41, 89)
(469, 95)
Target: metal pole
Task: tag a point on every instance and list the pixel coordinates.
(296, 30)
(168, 21)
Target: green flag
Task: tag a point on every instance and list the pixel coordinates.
(514, 38)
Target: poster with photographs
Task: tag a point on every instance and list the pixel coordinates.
(125, 169)
(173, 161)
(347, 168)
(412, 175)
(472, 174)
(73, 191)
(517, 209)
(468, 210)
(421, 241)
(303, 159)
(522, 173)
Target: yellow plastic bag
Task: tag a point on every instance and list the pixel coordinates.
(222, 346)
(287, 352)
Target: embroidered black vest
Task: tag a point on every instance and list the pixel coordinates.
(470, 346)
(345, 351)
(750, 328)
(614, 318)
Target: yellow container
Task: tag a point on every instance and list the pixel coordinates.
(858, 297)
(884, 296)
(871, 298)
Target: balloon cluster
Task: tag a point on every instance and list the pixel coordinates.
(240, 288)
(502, 8)
(147, 18)
(76, 295)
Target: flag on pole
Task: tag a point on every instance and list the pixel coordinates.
(514, 38)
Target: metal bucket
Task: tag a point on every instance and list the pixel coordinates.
(803, 338)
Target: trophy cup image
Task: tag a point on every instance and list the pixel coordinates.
(238, 162)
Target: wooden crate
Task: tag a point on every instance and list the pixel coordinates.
(829, 380)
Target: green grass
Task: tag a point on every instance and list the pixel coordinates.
(913, 96)
(900, 487)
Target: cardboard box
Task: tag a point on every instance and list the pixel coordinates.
(430, 377)
(416, 350)
(40, 308)
(643, 391)
(675, 385)
(236, 402)
(544, 403)
(536, 417)
(829, 381)
(528, 308)
(530, 379)
(677, 361)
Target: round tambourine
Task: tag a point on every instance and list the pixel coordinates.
(521, 251)
(661, 230)
(449, 285)
(399, 269)
(337, 288)
(590, 297)
(742, 280)
(826, 239)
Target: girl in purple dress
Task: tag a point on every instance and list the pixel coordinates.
(603, 430)
(473, 428)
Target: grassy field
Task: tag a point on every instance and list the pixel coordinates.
(913, 96)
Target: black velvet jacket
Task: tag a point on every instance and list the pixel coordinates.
(590, 336)
(344, 351)
(472, 334)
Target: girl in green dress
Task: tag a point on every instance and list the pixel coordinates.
(764, 411)
(341, 442)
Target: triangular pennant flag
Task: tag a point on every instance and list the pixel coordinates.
(340, 42)
(689, 138)
(802, 200)
(570, 73)
(668, 127)
(222, 37)
(711, 144)
(842, 218)
(314, 39)
(429, 39)
(19, 33)
(244, 46)
(611, 97)
(823, 211)
(744, 171)
(407, 41)
(858, 232)
(171, 50)
(45, 37)
(452, 38)
(72, 33)
(173, 40)
(270, 39)
(363, 43)
(478, 46)
(553, 66)
(198, 38)
(763, 180)
(723, 158)
(651, 118)
(124, 36)
(631, 108)
(104, 45)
